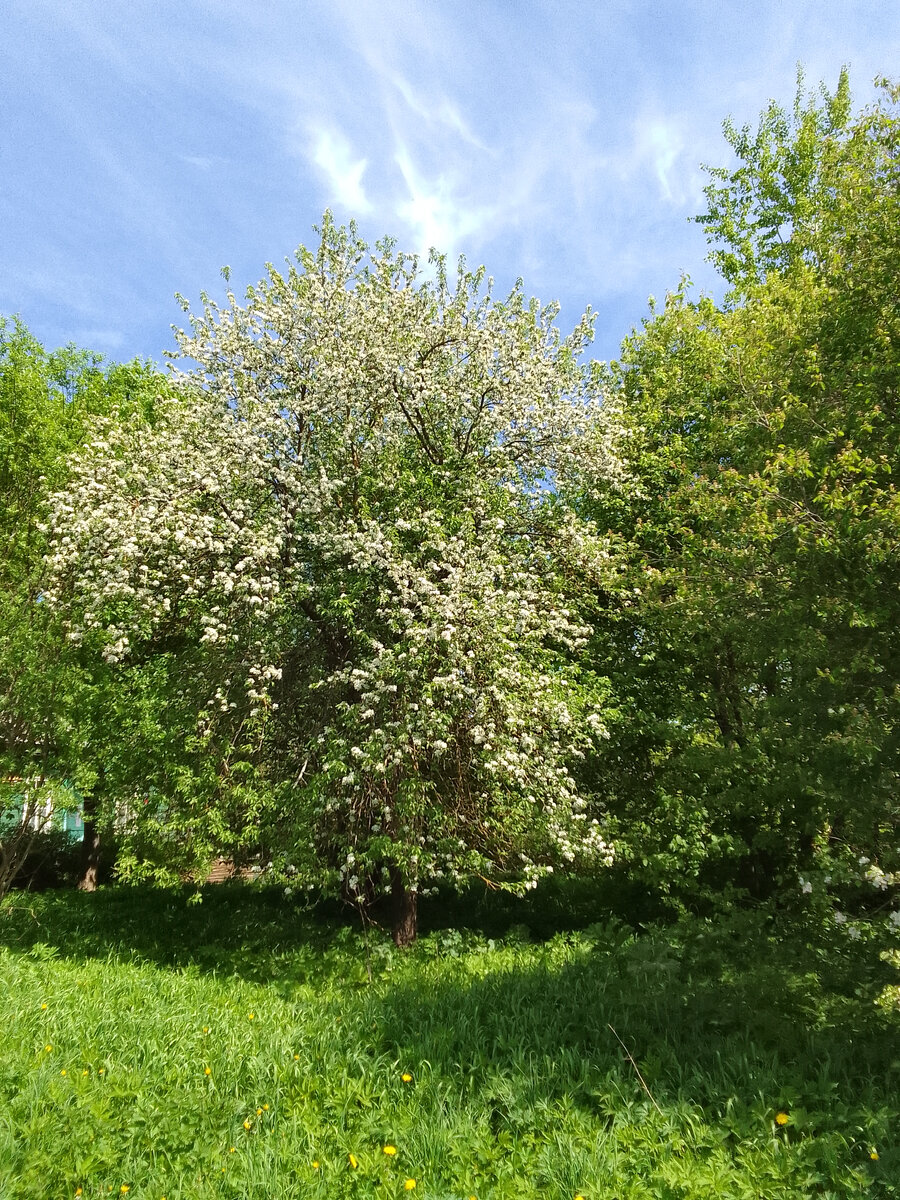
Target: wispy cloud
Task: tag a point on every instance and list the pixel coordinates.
(442, 111)
(203, 162)
(334, 156)
(434, 211)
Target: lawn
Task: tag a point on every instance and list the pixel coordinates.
(249, 1047)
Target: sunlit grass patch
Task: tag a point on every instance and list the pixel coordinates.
(470, 1066)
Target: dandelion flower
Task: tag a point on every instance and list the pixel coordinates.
(781, 1118)
(43, 1006)
(247, 1124)
(231, 1149)
(315, 1165)
(124, 1188)
(207, 1070)
(85, 1071)
(62, 1072)
(391, 1150)
(259, 1112)
(47, 1048)
(250, 1016)
(409, 1185)
(78, 1191)
(873, 1154)
(206, 1029)
(406, 1077)
(353, 1160)
(296, 1058)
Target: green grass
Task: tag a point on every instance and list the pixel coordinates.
(519, 1087)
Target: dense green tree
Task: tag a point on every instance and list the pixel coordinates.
(61, 719)
(757, 664)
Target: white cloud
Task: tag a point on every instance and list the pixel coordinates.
(434, 212)
(333, 154)
(444, 112)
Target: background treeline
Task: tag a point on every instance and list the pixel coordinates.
(748, 636)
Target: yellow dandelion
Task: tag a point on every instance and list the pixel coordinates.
(296, 1058)
(43, 1006)
(207, 1070)
(62, 1072)
(231, 1149)
(873, 1154)
(85, 1071)
(409, 1185)
(265, 1108)
(47, 1048)
(101, 1071)
(250, 1016)
(259, 1112)
(391, 1150)
(247, 1124)
(206, 1029)
(78, 1191)
(781, 1118)
(406, 1077)
(315, 1165)
(353, 1160)
(124, 1188)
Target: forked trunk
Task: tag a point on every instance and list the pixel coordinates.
(404, 902)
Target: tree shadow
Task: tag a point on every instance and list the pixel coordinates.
(254, 932)
(699, 1032)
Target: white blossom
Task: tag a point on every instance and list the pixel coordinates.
(344, 509)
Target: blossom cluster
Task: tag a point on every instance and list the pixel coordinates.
(353, 508)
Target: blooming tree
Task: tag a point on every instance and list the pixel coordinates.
(352, 518)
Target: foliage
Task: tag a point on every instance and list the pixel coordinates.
(777, 208)
(756, 662)
(516, 1083)
(59, 716)
(348, 524)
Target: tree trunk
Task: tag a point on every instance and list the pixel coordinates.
(90, 846)
(404, 901)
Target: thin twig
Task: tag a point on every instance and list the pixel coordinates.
(636, 1071)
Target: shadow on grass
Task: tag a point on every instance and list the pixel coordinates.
(250, 931)
(691, 1037)
(727, 1019)
(676, 993)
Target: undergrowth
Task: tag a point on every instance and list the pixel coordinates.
(247, 1048)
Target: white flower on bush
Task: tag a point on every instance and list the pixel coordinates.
(344, 513)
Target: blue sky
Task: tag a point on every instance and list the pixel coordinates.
(144, 145)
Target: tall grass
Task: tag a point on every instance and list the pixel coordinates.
(245, 1048)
